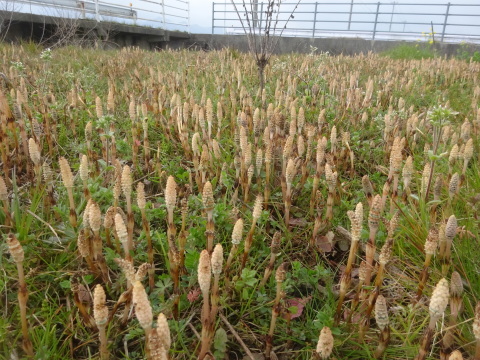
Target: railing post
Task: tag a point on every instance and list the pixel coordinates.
(163, 13)
(376, 19)
(391, 17)
(445, 21)
(315, 20)
(97, 14)
(188, 16)
(213, 18)
(350, 15)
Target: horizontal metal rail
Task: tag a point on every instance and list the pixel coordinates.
(156, 14)
(445, 22)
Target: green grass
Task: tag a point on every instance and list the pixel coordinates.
(410, 52)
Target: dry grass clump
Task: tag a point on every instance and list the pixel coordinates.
(330, 143)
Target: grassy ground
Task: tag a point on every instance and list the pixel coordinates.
(371, 102)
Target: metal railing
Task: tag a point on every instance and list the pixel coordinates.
(165, 14)
(448, 22)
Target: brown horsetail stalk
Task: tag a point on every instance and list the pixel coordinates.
(381, 317)
(122, 234)
(258, 166)
(160, 340)
(383, 259)
(356, 218)
(333, 140)
(204, 280)
(362, 271)
(6, 119)
(95, 221)
(325, 343)
(320, 158)
(476, 331)
(4, 199)
(204, 165)
(308, 157)
(88, 139)
(36, 158)
(237, 235)
(246, 162)
(437, 194)
(141, 202)
(268, 169)
(18, 255)
(100, 314)
(257, 211)
(84, 249)
(209, 331)
(250, 173)
(289, 175)
(318, 220)
(274, 248)
(48, 174)
(78, 291)
(453, 186)
(331, 178)
(446, 240)
(135, 142)
(173, 255)
(467, 155)
(208, 204)
(117, 186)
(67, 178)
(373, 222)
(182, 239)
(287, 151)
(108, 221)
(367, 189)
(280, 277)
(132, 277)
(395, 167)
(438, 304)
(146, 144)
(127, 183)
(430, 247)
(83, 171)
(456, 305)
(17, 110)
(143, 309)
(385, 192)
(113, 144)
(452, 158)
(407, 173)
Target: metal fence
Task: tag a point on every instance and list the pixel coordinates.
(447, 22)
(166, 14)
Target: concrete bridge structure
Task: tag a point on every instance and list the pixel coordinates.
(150, 24)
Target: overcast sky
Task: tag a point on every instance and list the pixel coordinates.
(201, 14)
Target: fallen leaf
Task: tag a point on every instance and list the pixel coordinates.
(301, 222)
(325, 243)
(297, 305)
(193, 295)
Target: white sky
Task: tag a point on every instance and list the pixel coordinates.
(201, 10)
(201, 14)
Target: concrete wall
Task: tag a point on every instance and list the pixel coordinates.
(335, 46)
